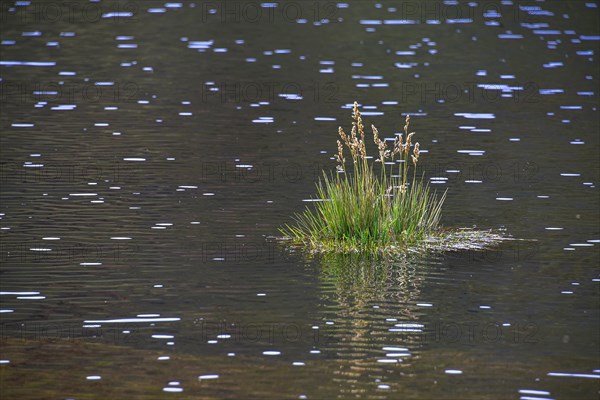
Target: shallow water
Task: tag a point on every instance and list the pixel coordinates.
(149, 149)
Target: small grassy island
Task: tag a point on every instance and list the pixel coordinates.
(380, 206)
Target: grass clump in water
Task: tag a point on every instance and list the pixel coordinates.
(368, 209)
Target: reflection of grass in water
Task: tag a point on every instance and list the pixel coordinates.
(364, 270)
(369, 211)
(361, 281)
(370, 276)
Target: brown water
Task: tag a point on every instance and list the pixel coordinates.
(149, 156)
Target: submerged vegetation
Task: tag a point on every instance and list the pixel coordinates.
(376, 206)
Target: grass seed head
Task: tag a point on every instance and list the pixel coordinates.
(408, 142)
(416, 153)
(398, 145)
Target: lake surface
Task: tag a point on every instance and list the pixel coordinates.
(150, 151)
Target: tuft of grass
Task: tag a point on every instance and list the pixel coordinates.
(376, 206)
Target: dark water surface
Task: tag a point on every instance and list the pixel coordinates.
(150, 149)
